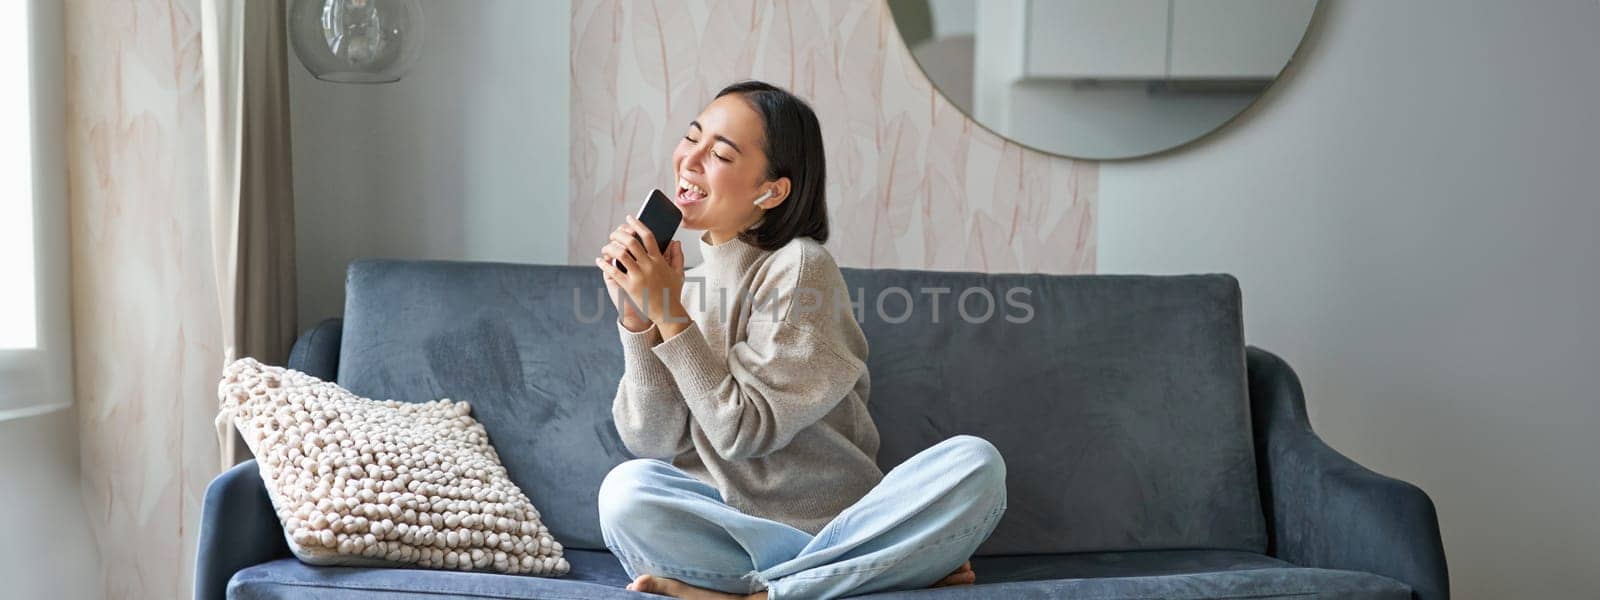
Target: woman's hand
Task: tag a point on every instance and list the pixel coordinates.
(631, 319)
(654, 281)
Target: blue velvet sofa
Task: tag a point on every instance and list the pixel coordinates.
(1150, 453)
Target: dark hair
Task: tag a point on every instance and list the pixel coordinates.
(793, 146)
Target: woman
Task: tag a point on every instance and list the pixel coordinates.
(745, 392)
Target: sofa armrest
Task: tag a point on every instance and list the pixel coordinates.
(238, 528)
(316, 353)
(1324, 509)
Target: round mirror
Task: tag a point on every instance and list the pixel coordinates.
(1102, 79)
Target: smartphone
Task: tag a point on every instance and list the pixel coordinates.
(661, 216)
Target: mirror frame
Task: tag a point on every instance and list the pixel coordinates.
(1312, 26)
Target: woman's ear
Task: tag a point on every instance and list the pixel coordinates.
(780, 192)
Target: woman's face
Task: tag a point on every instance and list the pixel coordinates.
(721, 170)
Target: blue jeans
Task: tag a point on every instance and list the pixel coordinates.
(919, 524)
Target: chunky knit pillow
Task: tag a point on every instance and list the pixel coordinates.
(369, 483)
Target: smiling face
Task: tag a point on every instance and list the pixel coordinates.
(721, 169)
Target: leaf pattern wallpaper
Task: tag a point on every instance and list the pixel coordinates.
(912, 182)
(147, 337)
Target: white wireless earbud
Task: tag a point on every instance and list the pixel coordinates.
(764, 196)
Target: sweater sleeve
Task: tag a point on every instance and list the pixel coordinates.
(781, 376)
(651, 417)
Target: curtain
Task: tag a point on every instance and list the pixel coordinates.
(250, 182)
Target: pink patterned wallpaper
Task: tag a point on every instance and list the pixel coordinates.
(912, 182)
(146, 329)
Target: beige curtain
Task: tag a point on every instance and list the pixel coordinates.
(251, 184)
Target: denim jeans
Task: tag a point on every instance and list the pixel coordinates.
(913, 528)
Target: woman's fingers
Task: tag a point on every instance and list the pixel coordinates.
(615, 251)
(606, 270)
(617, 245)
(675, 254)
(647, 237)
(631, 244)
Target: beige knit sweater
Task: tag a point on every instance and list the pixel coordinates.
(765, 396)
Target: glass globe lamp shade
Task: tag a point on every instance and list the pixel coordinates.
(356, 41)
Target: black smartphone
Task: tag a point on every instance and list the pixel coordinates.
(661, 216)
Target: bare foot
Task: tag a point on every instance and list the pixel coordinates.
(961, 576)
(667, 586)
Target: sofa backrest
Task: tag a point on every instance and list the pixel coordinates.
(1119, 402)
(1120, 406)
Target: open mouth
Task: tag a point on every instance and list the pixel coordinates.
(689, 193)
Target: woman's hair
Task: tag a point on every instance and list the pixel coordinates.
(793, 145)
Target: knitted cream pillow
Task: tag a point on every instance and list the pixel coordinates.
(368, 483)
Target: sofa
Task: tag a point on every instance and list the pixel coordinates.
(1150, 453)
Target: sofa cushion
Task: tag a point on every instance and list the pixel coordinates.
(1120, 404)
(362, 482)
(1120, 407)
(1254, 584)
(1174, 574)
(1111, 575)
(1085, 565)
(594, 575)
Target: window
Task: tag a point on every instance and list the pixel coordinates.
(18, 318)
(35, 333)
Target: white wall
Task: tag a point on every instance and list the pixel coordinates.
(464, 158)
(1411, 214)
(51, 553)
